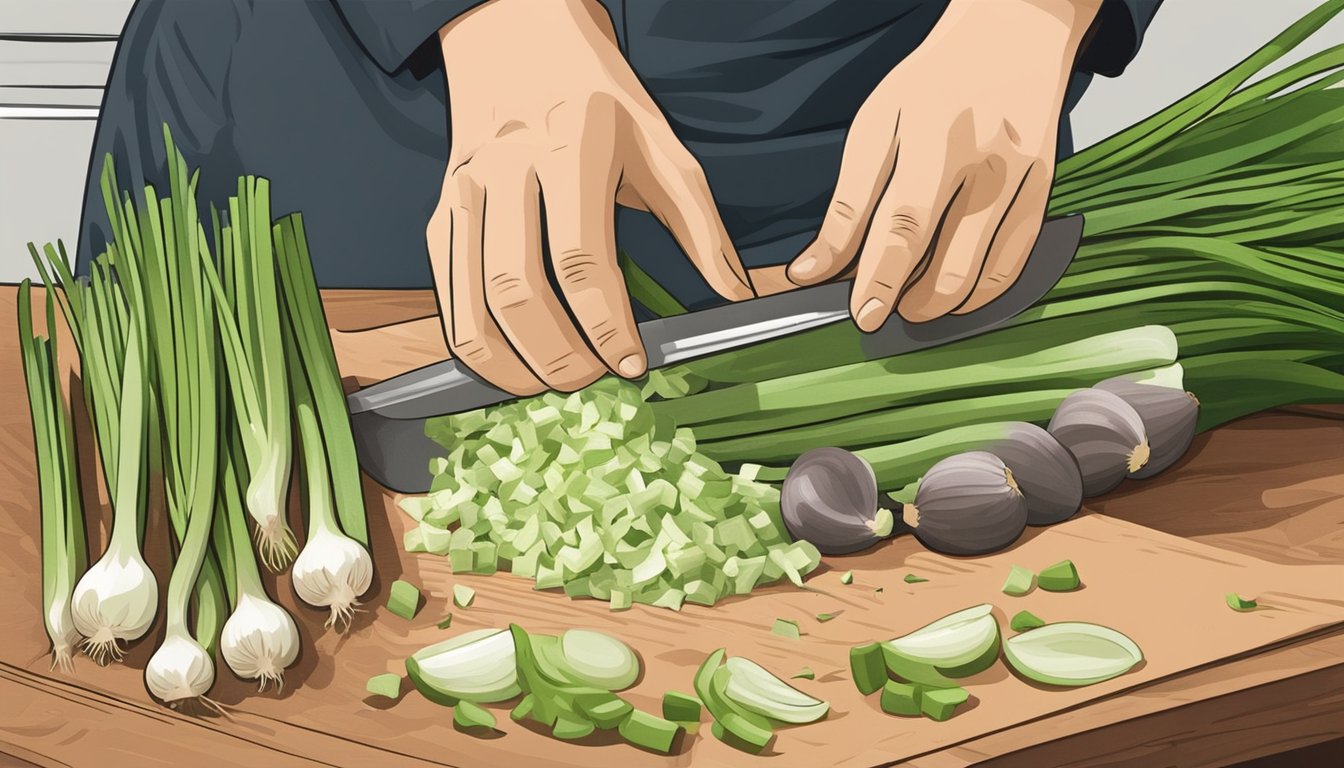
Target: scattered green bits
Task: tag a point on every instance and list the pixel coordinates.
(1024, 620)
(867, 667)
(911, 578)
(941, 703)
(403, 599)
(1060, 577)
(463, 596)
(1239, 603)
(469, 715)
(1019, 582)
(386, 685)
(805, 673)
(524, 708)
(901, 698)
(825, 617)
(786, 628)
(681, 707)
(445, 622)
(847, 577)
(649, 731)
(569, 727)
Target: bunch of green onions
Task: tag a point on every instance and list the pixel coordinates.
(1220, 218)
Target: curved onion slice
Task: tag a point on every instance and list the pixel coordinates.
(599, 659)
(754, 687)
(476, 666)
(957, 645)
(1071, 653)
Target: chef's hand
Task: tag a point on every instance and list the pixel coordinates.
(947, 166)
(546, 111)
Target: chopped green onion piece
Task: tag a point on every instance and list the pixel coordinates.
(1019, 582)
(867, 667)
(825, 617)
(1241, 604)
(570, 727)
(805, 673)
(386, 685)
(470, 715)
(606, 712)
(847, 577)
(645, 730)
(911, 578)
(901, 698)
(786, 628)
(446, 622)
(1024, 620)
(523, 710)
(463, 596)
(1060, 577)
(403, 599)
(940, 703)
(681, 707)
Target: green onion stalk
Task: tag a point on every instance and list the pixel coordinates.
(248, 308)
(62, 530)
(1219, 218)
(160, 258)
(335, 568)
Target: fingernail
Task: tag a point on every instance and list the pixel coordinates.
(872, 314)
(631, 366)
(803, 267)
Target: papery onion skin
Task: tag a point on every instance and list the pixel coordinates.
(1169, 419)
(1105, 435)
(829, 498)
(967, 504)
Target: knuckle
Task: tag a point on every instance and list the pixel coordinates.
(509, 290)
(951, 284)
(569, 372)
(905, 227)
(470, 349)
(577, 266)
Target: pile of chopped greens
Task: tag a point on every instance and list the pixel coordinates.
(592, 493)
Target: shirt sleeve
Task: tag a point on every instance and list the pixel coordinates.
(391, 30)
(1116, 36)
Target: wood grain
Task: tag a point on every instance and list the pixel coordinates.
(1271, 486)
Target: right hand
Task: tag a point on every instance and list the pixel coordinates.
(544, 107)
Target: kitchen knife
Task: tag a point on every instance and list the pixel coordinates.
(389, 417)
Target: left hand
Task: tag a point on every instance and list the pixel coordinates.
(947, 166)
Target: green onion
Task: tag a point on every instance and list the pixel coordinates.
(248, 313)
(681, 707)
(1240, 604)
(63, 545)
(403, 599)
(386, 685)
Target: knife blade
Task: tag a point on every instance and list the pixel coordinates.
(449, 387)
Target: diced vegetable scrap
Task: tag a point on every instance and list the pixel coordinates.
(868, 667)
(386, 685)
(901, 698)
(847, 577)
(468, 715)
(941, 703)
(681, 707)
(463, 596)
(570, 727)
(1019, 582)
(649, 731)
(403, 599)
(1060, 577)
(805, 673)
(825, 617)
(1025, 620)
(1239, 603)
(911, 578)
(445, 622)
(786, 628)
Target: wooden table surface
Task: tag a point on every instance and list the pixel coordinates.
(1270, 486)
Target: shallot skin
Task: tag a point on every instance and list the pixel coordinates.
(1169, 419)
(829, 498)
(967, 504)
(1045, 471)
(1105, 435)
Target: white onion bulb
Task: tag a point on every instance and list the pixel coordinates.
(180, 670)
(115, 600)
(332, 571)
(259, 640)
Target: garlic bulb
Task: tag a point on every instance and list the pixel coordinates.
(332, 571)
(1105, 435)
(967, 504)
(180, 670)
(115, 600)
(259, 640)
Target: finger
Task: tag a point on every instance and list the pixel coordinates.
(865, 167)
(678, 194)
(454, 241)
(580, 229)
(898, 238)
(1013, 242)
(520, 297)
(962, 245)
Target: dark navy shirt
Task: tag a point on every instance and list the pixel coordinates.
(343, 104)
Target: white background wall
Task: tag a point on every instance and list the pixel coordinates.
(43, 161)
